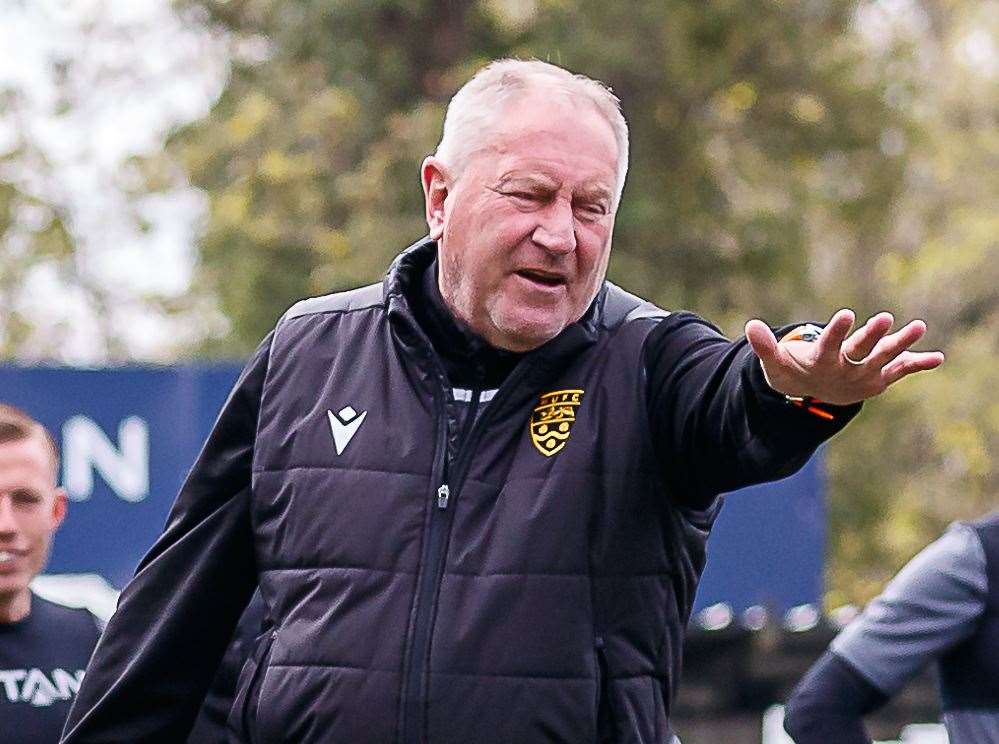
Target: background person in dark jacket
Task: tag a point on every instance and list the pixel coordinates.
(44, 646)
(942, 607)
(475, 498)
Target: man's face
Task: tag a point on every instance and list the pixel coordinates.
(524, 232)
(31, 508)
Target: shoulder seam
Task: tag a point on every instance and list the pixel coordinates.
(338, 302)
(332, 311)
(643, 309)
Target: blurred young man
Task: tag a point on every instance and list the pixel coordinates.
(44, 647)
(475, 497)
(942, 607)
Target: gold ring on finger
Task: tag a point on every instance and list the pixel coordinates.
(854, 362)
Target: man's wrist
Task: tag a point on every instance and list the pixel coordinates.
(809, 333)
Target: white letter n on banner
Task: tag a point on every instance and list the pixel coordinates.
(125, 468)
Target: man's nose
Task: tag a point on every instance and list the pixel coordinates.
(556, 230)
(8, 526)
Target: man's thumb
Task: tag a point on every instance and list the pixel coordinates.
(762, 339)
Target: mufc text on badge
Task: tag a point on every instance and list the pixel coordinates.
(552, 420)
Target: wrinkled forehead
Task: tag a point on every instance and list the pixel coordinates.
(560, 133)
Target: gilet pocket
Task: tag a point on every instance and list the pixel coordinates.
(606, 726)
(242, 717)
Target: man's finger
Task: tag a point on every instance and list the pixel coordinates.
(862, 341)
(909, 362)
(894, 344)
(772, 357)
(831, 341)
(763, 341)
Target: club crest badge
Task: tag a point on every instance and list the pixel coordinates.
(552, 420)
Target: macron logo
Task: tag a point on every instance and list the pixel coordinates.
(344, 426)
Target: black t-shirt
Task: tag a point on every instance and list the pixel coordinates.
(42, 659)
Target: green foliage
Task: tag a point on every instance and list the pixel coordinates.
(744, 141)
(924, 454)
(310, 157)
(787, 159)
(34, 240)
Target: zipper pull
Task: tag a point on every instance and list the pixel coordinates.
(443, 493)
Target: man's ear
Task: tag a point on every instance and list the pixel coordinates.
(58, 507)
(435, 191)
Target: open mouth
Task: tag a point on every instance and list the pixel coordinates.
(7, 555)
(544, 278)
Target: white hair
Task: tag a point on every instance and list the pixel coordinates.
(476, 108)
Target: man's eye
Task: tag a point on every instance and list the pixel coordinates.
(523, 195)
(592, 210)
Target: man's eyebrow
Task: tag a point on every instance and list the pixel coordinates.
(595, 192)
(27, 491)
(536, 180)
(592, 192)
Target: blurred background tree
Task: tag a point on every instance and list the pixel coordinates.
(757, 131)
(38, 249)
(925, 454)
(34, 236)
(94, 264)
(789, 157)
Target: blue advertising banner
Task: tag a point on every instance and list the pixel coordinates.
(768, 546)
(129, 435)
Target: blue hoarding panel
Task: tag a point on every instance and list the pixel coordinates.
(114, 518)
(767, 547)
(129, 435)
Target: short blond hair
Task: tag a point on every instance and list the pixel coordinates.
(477, 106)
(16, 426)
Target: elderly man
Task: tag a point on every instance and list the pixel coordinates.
(44, 647)
(475, 497)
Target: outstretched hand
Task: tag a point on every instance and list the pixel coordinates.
(840, 367)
